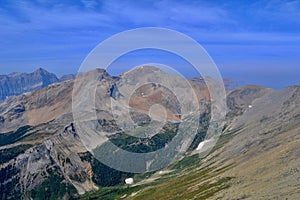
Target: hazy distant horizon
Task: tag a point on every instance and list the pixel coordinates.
(233, 82)
(254, 43)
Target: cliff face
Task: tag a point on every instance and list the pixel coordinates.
(17, 83)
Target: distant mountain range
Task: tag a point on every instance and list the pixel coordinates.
(17, 83)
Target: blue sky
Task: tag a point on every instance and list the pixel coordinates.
(254, 42)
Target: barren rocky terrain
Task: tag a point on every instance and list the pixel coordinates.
(43, 156)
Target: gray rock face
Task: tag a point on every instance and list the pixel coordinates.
(67, 77)
(241, 98)
(55, 153)
(17, 83)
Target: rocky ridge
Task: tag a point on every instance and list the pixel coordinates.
(17, 83)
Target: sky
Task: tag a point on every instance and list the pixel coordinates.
(251, 42)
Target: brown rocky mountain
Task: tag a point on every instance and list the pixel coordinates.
(17, 83)
(48, 103)
(43, 157)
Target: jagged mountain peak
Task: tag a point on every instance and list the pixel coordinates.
(17, 83)
(41, 71)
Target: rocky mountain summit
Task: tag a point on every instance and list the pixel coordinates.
(17, 83)
(43, 154)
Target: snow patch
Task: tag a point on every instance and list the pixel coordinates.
(129, 181)
(201, 145)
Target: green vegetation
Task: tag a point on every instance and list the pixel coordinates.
(8, 154)
(103, 175)
(195, 184)
(9, 183)
(11, 137)
(186, 162)
(110, 193)
(79, 177)
(54, 188)
(143, 145)
(186, 178)
(201, 132)
(183, 189)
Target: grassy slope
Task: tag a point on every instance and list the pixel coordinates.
(186, 179)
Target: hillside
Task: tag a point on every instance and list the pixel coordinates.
(44, 155)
